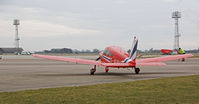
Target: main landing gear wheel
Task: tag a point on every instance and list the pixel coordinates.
(106, 69)
(92, 71)
(137, 70)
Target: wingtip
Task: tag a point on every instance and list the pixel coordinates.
(34, 55)
(190, 55)
(164, 64)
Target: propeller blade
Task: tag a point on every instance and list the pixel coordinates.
(98, 59)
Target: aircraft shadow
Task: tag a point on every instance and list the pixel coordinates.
(112, 74)
(163, 73)
(87, 74)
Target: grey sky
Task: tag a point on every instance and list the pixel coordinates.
(89, 24)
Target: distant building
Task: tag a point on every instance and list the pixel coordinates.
(1, 51)
(10, 50)
(62, 50)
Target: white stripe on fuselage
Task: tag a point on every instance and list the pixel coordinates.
(106, 58)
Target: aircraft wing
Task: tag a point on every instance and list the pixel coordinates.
(162, 59)
(81, 61)
(140, 62)
(151, 64)
(92, 62)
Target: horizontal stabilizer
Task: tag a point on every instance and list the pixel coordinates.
(118, 64)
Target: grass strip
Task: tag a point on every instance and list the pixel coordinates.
(178, 90)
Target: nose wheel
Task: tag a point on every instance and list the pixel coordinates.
(92, 71)
(137, 70)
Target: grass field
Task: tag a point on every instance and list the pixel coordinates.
(180, 90)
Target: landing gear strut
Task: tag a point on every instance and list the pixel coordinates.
(137, 70)
(92, 71)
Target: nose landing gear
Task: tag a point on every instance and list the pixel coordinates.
(92, 71)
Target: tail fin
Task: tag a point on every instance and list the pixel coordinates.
(132, 56)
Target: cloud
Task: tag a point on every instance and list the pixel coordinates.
(13, 11)
(6, 28)
(36, 28)
(170, 1)
(43, 29)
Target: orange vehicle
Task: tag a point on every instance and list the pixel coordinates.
(116, 57)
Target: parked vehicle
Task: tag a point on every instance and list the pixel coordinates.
(169, 52)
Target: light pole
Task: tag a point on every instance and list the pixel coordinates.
(176, 15)
(16, 23)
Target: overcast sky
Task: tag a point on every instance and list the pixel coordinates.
(89, 24)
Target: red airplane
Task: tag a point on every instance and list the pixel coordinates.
(116, 57)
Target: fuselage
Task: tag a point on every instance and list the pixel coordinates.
(113, 54)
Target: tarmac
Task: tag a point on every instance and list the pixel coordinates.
(27, 72)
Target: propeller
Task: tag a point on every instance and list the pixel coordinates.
(98, 59)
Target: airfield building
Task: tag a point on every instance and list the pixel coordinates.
(10, 50)
(62, 50)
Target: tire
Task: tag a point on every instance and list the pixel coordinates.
(92, 71)
(137, 70)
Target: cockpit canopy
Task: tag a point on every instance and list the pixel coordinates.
(107, 52)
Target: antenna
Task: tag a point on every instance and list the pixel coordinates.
(16, 23)
(176, 15)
